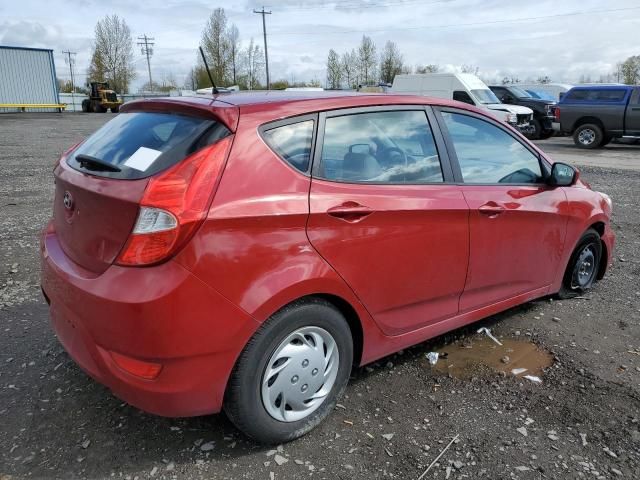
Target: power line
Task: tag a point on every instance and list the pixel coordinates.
(264, 32)
(71, 61)
(490, 22)
(147, 49)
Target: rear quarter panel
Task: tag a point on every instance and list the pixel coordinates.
(253, 247)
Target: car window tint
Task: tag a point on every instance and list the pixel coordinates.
(387, 147)
(292, 142)
(580, 94)
(610, 95)
(462, 96)
(488, 154)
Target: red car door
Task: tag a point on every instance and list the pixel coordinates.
(383, 214)
(516, 229)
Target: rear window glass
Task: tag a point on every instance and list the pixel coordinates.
(292, 142)
(140, 144)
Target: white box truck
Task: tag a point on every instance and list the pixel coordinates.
(463, 87)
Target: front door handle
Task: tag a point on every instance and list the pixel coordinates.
(350, 212)
(491, 209)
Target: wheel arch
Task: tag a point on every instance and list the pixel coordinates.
(588, 119)
(599, 227)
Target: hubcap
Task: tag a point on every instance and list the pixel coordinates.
(300, 374)
(586, 136)
(585, 268)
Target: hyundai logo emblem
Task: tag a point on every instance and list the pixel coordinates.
(67, 201)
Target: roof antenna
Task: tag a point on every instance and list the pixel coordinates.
(215, 89)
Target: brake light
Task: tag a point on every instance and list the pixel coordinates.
(556, 114)
(174, 204)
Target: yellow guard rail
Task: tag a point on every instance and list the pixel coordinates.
(23, 106)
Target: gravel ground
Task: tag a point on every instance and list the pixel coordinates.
(397, 415)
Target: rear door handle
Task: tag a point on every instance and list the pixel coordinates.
(350, 212)
(491, 209)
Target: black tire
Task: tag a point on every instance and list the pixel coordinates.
(546, 134)
(97, 107)
(115, 109)
(243, 402)
(537, 129)
(588, 136)
(574, 282)
(86, 105)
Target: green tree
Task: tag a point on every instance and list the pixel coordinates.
(217, 48)
(334, 70)
(367, 61)
(112, 58)
(391, 62)
(630, 70)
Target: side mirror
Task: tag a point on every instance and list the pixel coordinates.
(563, 175)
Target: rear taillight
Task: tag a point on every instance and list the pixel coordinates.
(174, 204)
(556, 114)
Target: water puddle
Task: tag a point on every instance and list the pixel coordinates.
(469, 356)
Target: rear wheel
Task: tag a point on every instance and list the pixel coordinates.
(291, 373)
(582, 269)
(588, 136)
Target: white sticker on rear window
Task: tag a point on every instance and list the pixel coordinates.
(142, 158)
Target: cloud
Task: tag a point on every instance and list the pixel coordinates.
(501, 38)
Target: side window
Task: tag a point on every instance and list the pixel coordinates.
(292, 143)
(462, 96)
(488, 154)
(388, 147)
(611, 95)
(580, 94)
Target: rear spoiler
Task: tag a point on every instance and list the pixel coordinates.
(223, 112)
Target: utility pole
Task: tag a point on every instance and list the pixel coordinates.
(264, 31)
(146, 47)
(71, 60)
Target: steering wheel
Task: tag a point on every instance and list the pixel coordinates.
(389, 152)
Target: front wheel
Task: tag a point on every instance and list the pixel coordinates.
(536, 129)
(588, 136)
(291, 373)
(582, 269)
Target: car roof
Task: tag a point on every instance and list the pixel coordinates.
(602, 87)
(276, 104)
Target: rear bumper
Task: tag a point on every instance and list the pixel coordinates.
(160, 314)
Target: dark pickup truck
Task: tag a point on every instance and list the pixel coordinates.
(595, 115)
(542, 123)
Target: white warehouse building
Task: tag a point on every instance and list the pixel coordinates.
(27, 77)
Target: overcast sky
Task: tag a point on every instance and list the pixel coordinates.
(562, 39)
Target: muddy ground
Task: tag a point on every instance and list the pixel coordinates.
(397, 415)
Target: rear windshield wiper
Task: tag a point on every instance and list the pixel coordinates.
(96, 164)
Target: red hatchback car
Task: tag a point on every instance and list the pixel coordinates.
(244, 251)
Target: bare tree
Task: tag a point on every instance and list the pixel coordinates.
(511, 79)
(469, 69)
(234, 50)
(112, 58)
(334, 70)
(430, 68)
(253, 65)
(349, 64)
(545, 79)
(367, 60)
(390, 62)
(215, 43)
